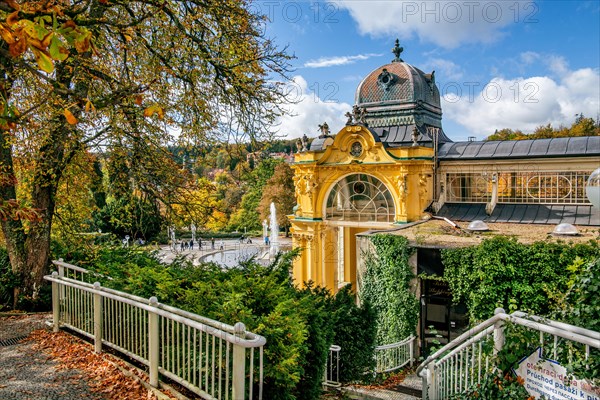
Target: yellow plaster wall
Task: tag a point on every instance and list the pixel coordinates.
(407, 172)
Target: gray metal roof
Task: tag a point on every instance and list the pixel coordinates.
(401, 135)
(556, 147)
(524, 213)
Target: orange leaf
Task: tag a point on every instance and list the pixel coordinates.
(6, 35)
(70, 24)
(17, 48)
(138, 99)
(70, 117)
(155, 108)
(12, 18)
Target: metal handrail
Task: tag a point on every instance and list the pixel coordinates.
(460, 339)
(174, 310)
(255, 341)
(328, 374)
(440, 371)
(395, 347)
(88, 309)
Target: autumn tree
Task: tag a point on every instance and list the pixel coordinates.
(120, 75)
(582, 126)
(247, 216)
(280, 191)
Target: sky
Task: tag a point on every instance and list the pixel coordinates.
(498, 64)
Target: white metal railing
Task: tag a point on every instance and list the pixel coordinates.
(71, 271)
(212, 359)
(388, 358)
(331, 375)
(391, 357)
(466, 360)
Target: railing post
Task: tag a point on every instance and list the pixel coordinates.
(55, 303)
(498, 332)
(153, 349)
(411, 349)
(97, 318)
(431, 382)
(239, 364)
(61, 273)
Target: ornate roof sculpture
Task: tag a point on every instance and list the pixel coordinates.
(397, 98)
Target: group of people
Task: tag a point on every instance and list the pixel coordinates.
(185, 245)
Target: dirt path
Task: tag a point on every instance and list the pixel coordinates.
(36, 364)
(28, 373)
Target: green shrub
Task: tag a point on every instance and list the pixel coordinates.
(298, 324)
(582, 308)
(355, 331)
(386, 287)
(501, 272)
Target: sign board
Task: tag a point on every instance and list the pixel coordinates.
(544, 377)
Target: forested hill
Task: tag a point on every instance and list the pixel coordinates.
(582, 126)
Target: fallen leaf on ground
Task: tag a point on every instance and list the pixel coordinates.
(99, 370)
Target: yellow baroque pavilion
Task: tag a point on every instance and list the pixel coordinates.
(392, 165)
(377, 171)
(353, 185)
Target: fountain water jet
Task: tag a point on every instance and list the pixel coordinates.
(274, 245)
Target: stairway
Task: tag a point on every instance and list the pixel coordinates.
(409, 389)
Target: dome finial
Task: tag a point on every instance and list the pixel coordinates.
(397, 50)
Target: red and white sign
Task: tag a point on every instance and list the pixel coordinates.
(544, 377)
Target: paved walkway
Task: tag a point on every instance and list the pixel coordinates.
(27, 373)
(369, 393)
(230, 253)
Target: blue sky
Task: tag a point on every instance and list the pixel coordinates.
(499, 64)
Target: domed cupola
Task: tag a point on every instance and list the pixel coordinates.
(401, 101)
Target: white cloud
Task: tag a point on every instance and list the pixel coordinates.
(445, 23)
(526, 103)
(335, 61)
(444, 69)
(310, 110)
(529, 57)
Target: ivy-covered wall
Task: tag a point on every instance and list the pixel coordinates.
(385, 285)
(501, 272)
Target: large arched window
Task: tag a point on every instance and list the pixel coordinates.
(362, 198)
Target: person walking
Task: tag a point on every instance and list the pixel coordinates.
(212, 243)
(191, 244)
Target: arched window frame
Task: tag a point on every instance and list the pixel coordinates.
(375, 203)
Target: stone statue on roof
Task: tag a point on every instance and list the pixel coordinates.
(358, 113)
(349, 116)
(324, 129)
(304, 142)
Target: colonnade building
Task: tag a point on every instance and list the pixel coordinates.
(392, 166)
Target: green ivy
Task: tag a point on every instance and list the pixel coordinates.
(582, 308)
(501, 272)
(559, 280)
(386, 287)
